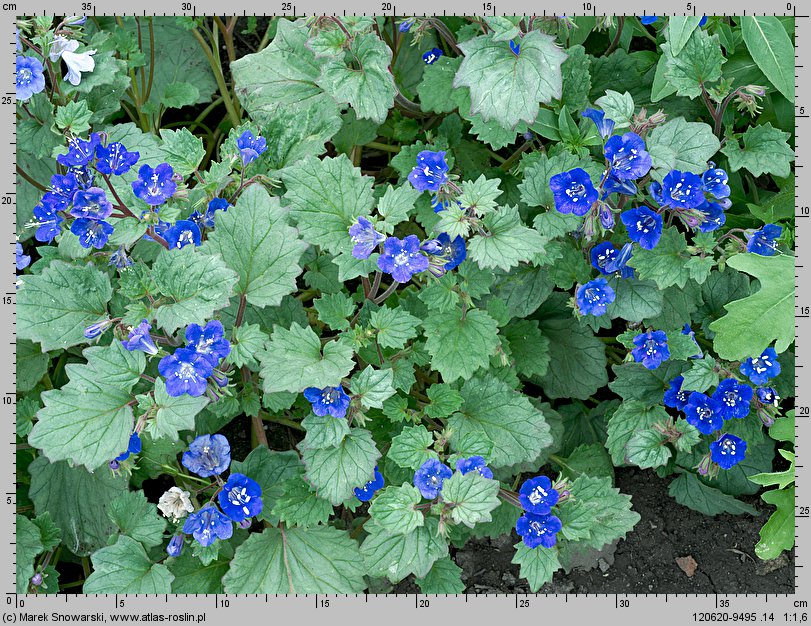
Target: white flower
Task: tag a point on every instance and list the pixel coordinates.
(76, 62)
(175, 503)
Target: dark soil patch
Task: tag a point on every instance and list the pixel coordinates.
(645, 562)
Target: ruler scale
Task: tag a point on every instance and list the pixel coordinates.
(665, 609)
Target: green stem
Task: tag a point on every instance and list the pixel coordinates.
(218, 76)
(278, 419)
(382, 146)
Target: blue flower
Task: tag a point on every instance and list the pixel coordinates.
(728, 451)
(627, 156)
(733, 398)
(85, 177)
(675, 397)
(608, 260)
(250, 147)
(474, 464)
(216, 204)
(80, 151)
(47, 220)
(704, 413)
(538, 530)
(593, 297)
(365, 238)
(761, 368)
(209, 342)
(681, 190)
(573, 191)
(430, 476)
(406, 25)
(402, 258)
(515, 48)
(714, 217)
(367, 492)
(182, 233)
(604, 125)
(155, 186)
(91, 233)
(133, 447)
(185, 371)
(115, 159)
(95, 329)
(606, 216)
(454, 251)
(715, 182)
(91, 203)
(22, 260)
(328, 401)
(648, 19)
(208, 455)
(651, 348)
(612, 184)
(208, 525)
(702, 21)
(537, 495)
(175, 546)
(62, 189)
(140, 339)
(241, 498)
(643, 226)
(764, 241)
(29, 77)
(432, 56)
(430, 172)
(767, 395)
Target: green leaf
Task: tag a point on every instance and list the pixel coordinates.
(246, 345)
(445, 577)
(396, 205)
(326, 196)
(783, 428)
(175, 413)
(667, 263)
(635, 299)
(396, 556)
(270, 469)
(576, 78)
(588, 460)
(296, 560)
(137, 518)
(634, 381)
(508, 88)
(681, 145)
(335, 472)
(679, 29)
(89, 420)
(334, 309)
(701, 375)
(618, 107)
(196, 284)
(33, 538)
(32, 364)
(741, 333)
(295, 134)
(696, 65)
(436, 88)
(372, 386)
(661, 89)
(630, 418)
(394, 326)
(537, 564)
(294, 360)
(688, 490)
(507, 243)
(528, 347)
(299, 505)
(74, 117)
(410, 448)
(369, 89)
(579, 367)
(178, 95)
(54, 307)
(777, 533)
(505, 417)
(647, 449)
(191, 576)
(184, 151)
(124, 567)
(480, 195)
(393, 509)
(772, 50)
(765, 151)
(282, 76)
(471, 497)
(458, 346)
(324, 431)
(76, 500)
(262, 250)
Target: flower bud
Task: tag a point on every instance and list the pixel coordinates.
(94, 330)
(246, 523)
(36, 579)
(175, 546)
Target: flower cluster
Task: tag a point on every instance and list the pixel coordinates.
(187, 369)
(537, 526)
